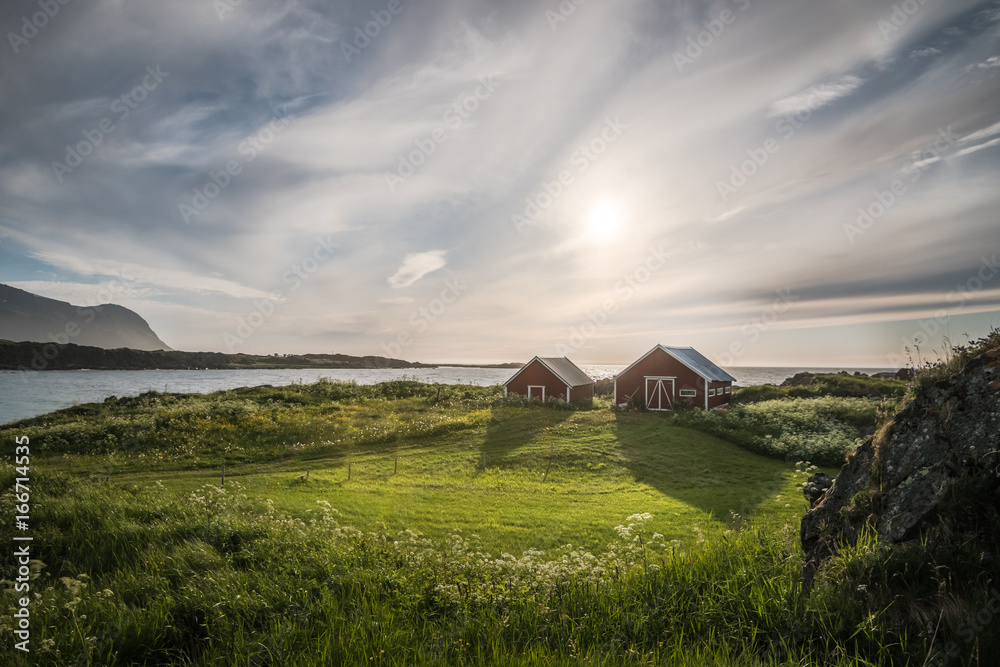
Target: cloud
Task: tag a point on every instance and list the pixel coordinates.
(979, 135)
(974, 149)
(416, 266)
(267, 224)
(989, 63)
(138, 274)
(816, 97)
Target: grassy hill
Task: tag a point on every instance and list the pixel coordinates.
(472, 530)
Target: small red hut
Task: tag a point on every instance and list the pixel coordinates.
(667, 374)
(551, 377)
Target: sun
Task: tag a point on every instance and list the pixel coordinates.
(605, 219)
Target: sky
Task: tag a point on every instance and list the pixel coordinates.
(775, 183)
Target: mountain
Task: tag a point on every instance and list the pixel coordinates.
(28, 317)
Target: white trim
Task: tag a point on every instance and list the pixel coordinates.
(660, 379)
(567, 393)
(536, 386)
(693, 394)
(706, 393)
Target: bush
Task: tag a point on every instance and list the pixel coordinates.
(821, 430)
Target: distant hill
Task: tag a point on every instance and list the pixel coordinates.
(44, 356)
(28, 317)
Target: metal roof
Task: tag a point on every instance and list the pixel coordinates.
(562, 368)
(566, 371)
(697, 362)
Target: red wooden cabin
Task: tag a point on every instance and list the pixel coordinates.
(668, 374)
(551, 377)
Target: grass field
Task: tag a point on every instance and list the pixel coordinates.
(471, 531)
(531, 479)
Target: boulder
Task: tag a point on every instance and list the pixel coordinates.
(946, 437)
(816, 486)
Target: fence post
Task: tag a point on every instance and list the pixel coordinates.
(223, 474)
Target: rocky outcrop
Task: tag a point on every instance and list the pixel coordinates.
(816, 486)
(946, 438)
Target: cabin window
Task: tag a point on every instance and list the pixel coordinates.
(711, 392)
(729, 390)
(688, 393)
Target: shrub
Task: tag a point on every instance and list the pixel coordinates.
(821, 430)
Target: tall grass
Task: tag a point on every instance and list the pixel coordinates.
(141, 576)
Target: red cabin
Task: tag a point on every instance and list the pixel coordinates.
(551, 377)
(667, 374)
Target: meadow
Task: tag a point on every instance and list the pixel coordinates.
(403, 524)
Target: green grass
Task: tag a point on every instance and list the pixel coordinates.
(497, 472)
(826, 384)
(510, 534)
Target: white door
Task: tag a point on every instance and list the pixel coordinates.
(536, 391)
(659, 393)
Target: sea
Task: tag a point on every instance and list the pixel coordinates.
(25, 394)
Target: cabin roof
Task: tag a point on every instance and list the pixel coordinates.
(693, 359)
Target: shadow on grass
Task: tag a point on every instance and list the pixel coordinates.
(513, 428)
(695, 468)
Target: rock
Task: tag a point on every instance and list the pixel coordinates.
(945, 438)
(816, 486)
(799, 379)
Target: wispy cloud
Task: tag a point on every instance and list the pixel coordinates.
(816, 97)
(416, 266)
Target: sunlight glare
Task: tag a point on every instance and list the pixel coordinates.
(605, 220)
